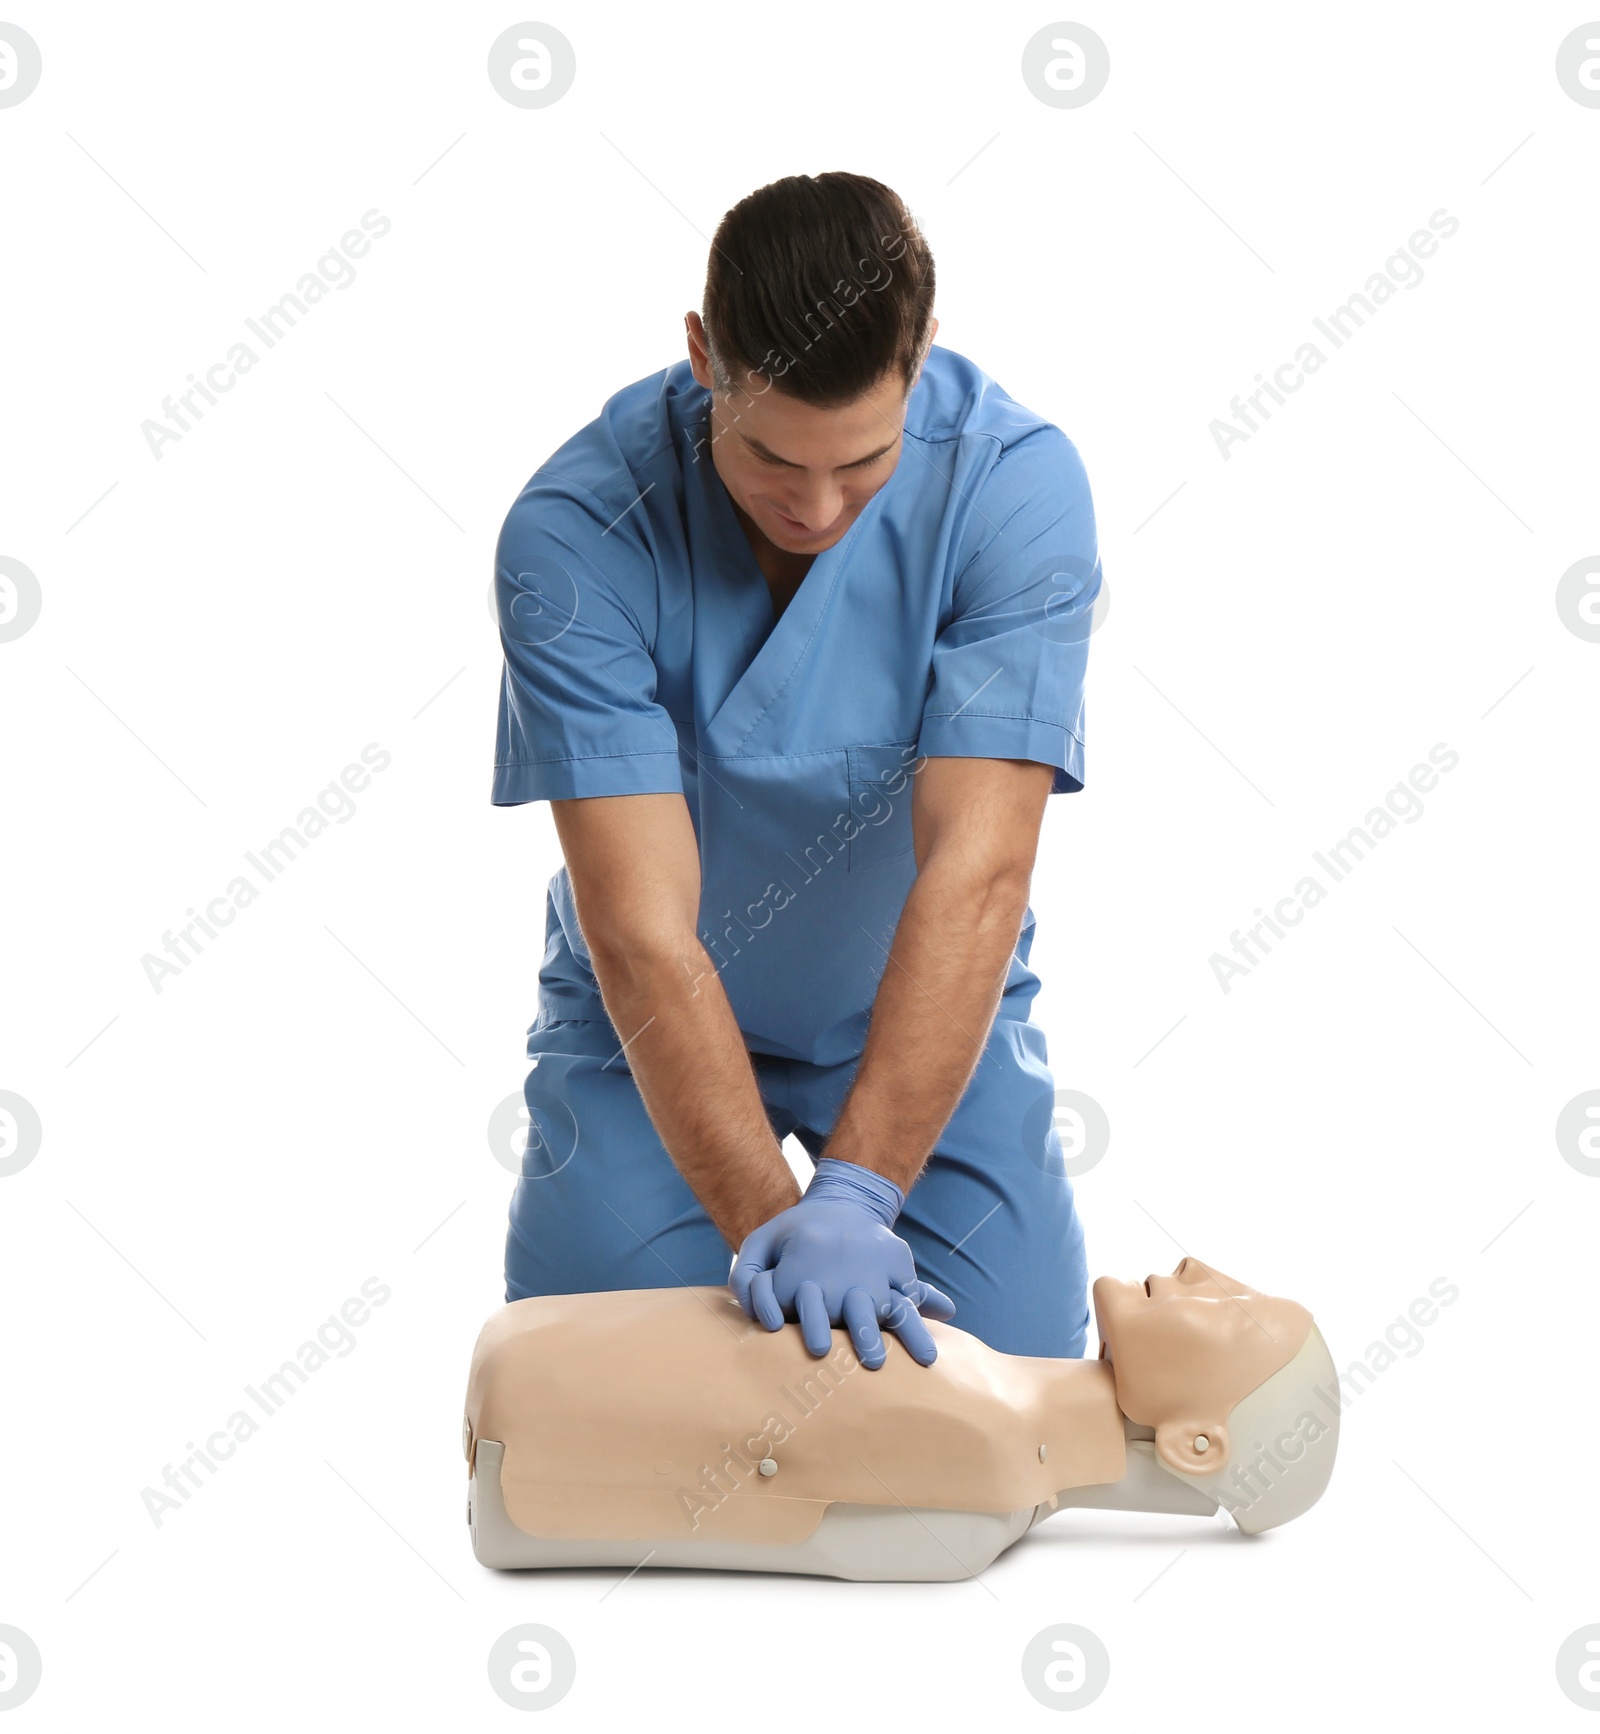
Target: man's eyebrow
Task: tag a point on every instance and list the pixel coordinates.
(766, 451)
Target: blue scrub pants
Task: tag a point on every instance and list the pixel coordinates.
(991, 1220)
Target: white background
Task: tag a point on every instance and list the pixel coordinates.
(305, 1106)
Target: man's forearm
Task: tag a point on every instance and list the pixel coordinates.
(694, 1075)
(931, 1017)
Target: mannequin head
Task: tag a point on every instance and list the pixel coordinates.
(1186, 1348)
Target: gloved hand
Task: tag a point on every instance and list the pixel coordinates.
(833, 1259)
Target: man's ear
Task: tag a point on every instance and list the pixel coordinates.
(922, 359)
(1193, 1447)
(699, 357)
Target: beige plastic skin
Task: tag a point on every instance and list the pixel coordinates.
(645, 1415)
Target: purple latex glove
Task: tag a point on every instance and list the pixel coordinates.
(834, 1259)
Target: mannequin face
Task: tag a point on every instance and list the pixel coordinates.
(1186, 1348)
(1177, 1302)
(799, 475)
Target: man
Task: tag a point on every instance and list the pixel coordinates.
(795, 635)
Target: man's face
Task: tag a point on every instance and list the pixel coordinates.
(800, 474)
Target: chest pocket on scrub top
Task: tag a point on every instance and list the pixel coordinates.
(881, 782)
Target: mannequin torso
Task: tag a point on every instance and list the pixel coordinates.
(709, 1441)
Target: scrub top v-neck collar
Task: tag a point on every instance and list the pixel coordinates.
(753, 656)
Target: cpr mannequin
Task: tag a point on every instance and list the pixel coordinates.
(664, 1427)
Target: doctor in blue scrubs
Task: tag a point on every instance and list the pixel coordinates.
(795, 634)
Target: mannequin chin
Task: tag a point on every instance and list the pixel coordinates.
(662, 1426)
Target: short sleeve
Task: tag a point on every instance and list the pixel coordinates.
(1008, 668)
(575, 592)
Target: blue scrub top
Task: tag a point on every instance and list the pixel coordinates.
(641, 657)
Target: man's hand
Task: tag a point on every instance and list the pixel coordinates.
(833, 1259)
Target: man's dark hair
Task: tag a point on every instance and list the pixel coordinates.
(818, 285)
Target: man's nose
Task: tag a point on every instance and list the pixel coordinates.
(816, 511)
